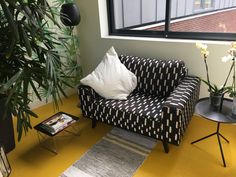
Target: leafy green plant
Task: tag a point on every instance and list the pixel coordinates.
(31, 57)
(217, 90)
(70, 41)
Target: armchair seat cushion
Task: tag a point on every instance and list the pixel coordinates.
(139, 113)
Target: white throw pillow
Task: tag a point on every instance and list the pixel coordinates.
(111, 79)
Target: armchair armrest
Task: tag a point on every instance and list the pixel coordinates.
(87, 96)
(88, 91)
(178, 109)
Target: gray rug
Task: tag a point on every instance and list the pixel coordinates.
(119, 154)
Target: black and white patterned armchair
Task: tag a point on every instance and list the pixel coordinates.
(160, 107)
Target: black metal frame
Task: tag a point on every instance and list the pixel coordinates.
(218, 134)
(163, 34)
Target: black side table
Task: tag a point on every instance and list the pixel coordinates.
(204, 110)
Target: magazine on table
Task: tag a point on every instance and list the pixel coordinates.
(57, 123)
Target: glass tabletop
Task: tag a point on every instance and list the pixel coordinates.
(45, 129)
(204, 109)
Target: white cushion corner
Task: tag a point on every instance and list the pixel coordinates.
(111, 79)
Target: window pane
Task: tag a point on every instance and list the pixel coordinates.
(139, 14)
(208, 3)
(197, 4)
(189, 19)
(220, 20)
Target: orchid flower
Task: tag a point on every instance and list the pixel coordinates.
(227, 58)
(203, 49)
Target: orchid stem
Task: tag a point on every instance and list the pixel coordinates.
(232, 66)
(208, 79)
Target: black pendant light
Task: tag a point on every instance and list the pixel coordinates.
(69, 14)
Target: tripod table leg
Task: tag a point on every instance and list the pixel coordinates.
(203, 138)
(224, 138)
(221, 150)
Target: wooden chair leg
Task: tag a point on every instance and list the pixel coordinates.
(94, 123)
(165, 145)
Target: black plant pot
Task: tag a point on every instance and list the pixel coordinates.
(69, 14)
(7, 138)
(216, 101)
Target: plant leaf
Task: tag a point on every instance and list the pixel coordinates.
(11, 81)
(26, 40)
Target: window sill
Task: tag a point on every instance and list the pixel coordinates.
(164, 40)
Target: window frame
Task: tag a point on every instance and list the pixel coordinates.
(166, 33)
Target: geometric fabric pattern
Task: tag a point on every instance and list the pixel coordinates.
(179, 108)
(160, 107)
(139, 113)
(155, 77)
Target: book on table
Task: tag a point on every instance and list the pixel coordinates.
(57, 123)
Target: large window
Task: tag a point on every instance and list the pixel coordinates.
(185, 19)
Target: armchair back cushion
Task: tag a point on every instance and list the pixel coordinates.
(155, 77)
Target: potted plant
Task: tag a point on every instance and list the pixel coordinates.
(216, 93)
(30, 61)
(231, 57)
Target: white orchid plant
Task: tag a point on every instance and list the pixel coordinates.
(213, 88)
(231, 57)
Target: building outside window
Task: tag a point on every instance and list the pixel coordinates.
(203, 4)
(189, 19)
(207, 4)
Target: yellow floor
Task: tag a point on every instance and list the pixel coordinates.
(200, 160)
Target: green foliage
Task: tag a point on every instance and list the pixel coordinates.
(232, 93)
(31, 57)
(215, 89)
(70, 42)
